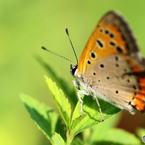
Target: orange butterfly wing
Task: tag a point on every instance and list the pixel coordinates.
(111, 35)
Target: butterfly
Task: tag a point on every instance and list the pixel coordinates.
(111, 67)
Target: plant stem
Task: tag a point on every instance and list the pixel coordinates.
(69, 138)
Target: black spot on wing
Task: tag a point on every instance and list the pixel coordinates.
(100, 44)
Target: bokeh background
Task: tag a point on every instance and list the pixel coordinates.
(25, 25)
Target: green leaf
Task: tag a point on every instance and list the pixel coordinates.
(78, 141)
(62, 82)
(118, 136)
(97, 129)
(91, 114)
(61, 101)
(77, 111)
(57, 139)
(45, 118)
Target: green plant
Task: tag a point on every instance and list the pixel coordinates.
(69, 127)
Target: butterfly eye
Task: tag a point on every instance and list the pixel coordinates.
(73, 69)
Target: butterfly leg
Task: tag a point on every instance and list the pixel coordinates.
(99, 107)
(81, 92)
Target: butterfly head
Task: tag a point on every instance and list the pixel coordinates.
(73, 69)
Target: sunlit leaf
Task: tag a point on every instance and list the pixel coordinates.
(61, 101)
(91, 114)
(57, 139)
(45, 118)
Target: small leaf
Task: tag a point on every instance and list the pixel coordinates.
(45, 118)
(77, 111)
(61, 101)
(57, 139)
(92, 115)
(106, 125)
(78, 124)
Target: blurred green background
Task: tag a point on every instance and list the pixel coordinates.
(25, 25)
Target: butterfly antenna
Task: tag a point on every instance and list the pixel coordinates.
(67, 32)
(57, 54)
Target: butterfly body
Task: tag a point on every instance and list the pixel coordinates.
(111, 67)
